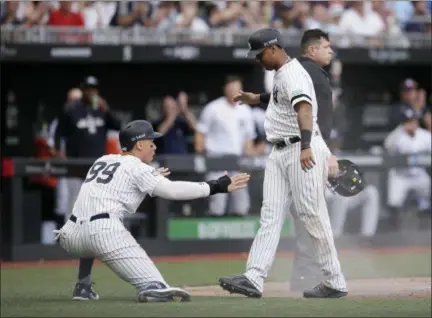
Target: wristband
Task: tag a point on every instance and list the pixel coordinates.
(264, 98)
(220, 185)
(306, 136)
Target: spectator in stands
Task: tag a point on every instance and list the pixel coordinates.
(256, 14)
(130, 13)
(188, 18)
(403, 10)
(358, 21)
(165, 15)
(176, 124)
(97, 14)
(301, 12)
(335, 13)
(64, 16)
(225, 13)
(420, 22)
(9, 13)
(319, 18)
(411, 98)
(285, 14)
(408, 139)
(226, 128)
(37, 12)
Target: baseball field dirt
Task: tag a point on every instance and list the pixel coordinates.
(413, 287)
(382, 283)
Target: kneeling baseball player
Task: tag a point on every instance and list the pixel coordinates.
(114, 186)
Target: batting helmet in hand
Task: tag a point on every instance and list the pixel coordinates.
(349, 181)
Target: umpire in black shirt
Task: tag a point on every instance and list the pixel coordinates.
(83, 126)
(316, 54)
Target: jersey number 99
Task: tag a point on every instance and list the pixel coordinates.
(102, 172)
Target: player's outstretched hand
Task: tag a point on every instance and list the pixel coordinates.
(238, 181)
(247, 98)
(164, 171)
(307, 160)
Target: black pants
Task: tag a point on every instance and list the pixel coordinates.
(48, 203)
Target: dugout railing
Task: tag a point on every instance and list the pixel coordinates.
(16, 170)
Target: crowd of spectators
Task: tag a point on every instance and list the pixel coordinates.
(368, 18)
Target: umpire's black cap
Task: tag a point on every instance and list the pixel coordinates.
(263, 38)
(134, 131)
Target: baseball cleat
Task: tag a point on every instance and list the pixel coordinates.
(322, 291)
(239, 285)
(158, 292)
(84, 292)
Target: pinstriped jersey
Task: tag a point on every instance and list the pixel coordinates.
(292, 84)
(115, 184)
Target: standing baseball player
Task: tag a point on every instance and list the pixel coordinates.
(296, 171)
(114, 186)
(226, 128)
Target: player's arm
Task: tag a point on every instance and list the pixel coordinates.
(155, 184)
(299, 92)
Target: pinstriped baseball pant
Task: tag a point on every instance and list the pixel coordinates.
(109, 241)
(285, 182)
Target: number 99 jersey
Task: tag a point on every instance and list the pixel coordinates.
(115, 184)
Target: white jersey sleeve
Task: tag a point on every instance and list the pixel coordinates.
(205, 119)
(146, 178)
(298, 87)
(181, 190)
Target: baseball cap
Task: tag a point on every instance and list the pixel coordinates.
(409, 114)
(90, 81)
(134, 131)
(408, 83)
(261, 39)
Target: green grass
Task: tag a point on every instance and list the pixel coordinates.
(46, 291)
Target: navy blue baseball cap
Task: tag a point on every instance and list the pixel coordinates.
(262, 39)
(134, 131)
(409, 114)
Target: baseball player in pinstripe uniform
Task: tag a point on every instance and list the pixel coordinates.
(296, 171)
(114, 186)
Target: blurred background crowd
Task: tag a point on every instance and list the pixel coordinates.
(368, 18)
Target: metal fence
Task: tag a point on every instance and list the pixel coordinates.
(138, 35)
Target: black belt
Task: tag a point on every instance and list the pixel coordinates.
(280, 144)
(73, 218)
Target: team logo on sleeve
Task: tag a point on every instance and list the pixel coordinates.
(275, 94)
